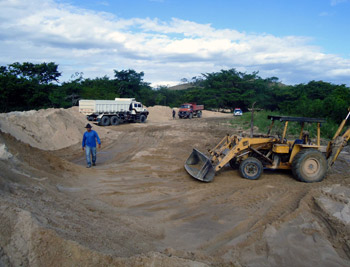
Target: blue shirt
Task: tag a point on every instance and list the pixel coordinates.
(89, 139)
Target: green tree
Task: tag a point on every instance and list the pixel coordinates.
(129, 82)
(43, 73)
(99, 88)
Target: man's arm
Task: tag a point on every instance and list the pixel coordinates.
(83, 142)
(98, 140)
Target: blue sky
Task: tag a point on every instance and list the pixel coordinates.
(296, 41)
(325, 21)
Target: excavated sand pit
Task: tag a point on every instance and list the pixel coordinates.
(139, 207)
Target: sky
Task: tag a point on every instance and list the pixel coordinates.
(296, 41)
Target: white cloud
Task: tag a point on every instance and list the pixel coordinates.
(326, 14)
(336, 2)
(96, 43)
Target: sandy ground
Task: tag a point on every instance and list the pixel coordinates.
(139, 207)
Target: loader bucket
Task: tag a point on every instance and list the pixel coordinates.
(200, 167)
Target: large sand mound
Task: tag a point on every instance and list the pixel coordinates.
(46, 129)
(52, 129)
(159, 114)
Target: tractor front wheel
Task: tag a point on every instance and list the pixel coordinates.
(309, 166)
(251, 168)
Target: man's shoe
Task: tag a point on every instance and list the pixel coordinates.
(93, 164)
(88, 166)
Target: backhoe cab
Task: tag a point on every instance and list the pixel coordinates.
(308, 161)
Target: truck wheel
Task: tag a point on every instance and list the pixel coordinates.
(251, 168)
(309, 166)
(114, 120)
(199, 114)
(143, 119)
(90, 118)
(105, 121)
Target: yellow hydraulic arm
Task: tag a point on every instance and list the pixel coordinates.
(336, 145)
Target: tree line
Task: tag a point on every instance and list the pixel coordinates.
(26, 86)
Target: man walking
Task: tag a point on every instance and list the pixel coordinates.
(89, 144)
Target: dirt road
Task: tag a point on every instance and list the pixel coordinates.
(139, 207)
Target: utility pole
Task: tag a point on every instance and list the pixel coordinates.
(252, 121)
(252, 118)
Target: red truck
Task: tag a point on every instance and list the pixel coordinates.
(190, 110)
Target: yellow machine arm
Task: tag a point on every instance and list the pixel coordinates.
(336, 145)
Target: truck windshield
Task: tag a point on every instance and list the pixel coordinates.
(185, 106)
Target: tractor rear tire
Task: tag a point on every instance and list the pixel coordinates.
(251, 168)
(309, 166)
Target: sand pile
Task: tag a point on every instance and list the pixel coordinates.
(211, 114)
(47, 129)
(160, 113)
(52, 129)
(164, 114)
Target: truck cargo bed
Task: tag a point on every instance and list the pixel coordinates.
(88, 107)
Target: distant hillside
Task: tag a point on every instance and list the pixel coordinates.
(183, 86)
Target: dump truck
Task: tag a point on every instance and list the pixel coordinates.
(308, 161)
(190, 110)
(113, 112)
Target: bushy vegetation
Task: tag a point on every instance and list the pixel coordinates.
(33, 86)
(261, 121)
(230, 89)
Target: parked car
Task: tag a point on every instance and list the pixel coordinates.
(237, 112)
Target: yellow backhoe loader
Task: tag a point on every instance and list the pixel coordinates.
(308, 161)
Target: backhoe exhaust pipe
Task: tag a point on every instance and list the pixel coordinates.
(200, 167)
